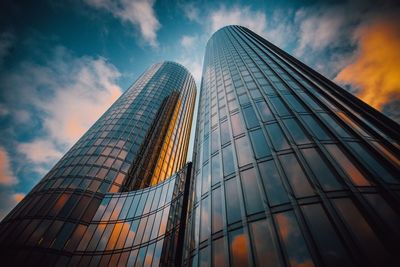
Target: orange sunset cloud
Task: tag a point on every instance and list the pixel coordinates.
(376, 69)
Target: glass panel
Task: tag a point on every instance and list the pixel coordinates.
(204, 257)
(315, 128)
(294, 103)
(296, 176)
(335, 125)
(250, 117)
(237, 126)
(384, 210)
(225, 136)
(331, 249)
(218, 253)
(205, 219)
(274, 188)
(206, 179)
(279, 106)
(238, 245)
(266, 251)
(348, 167)
(216, 210)
(296, 132)
(372, 163)
(251, 191)
(361, 231)
(266, 114)
(243, 151)
(277, 137)
(321, 170)
(228, 161)
(260, 146)
(290, 234)
(214, 141)
(232, 201)
(216, 175)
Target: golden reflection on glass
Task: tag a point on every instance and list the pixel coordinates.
(238, 248)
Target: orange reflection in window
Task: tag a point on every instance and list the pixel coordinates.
(60, 203)
(238, 248)
(114, 236)
(123, 235)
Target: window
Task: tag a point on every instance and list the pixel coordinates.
(205, 178)
(335, 125)
(266, 252)
(216, 170)
(251, 191)
(243, 151)
(361, 231)
(225, 136)
(348, 167)
(296, 176)
(291, 236)
(237, 126)
(276, 193)
(217, 210)
(315, 128)
(238, 245)
(232, 201)
(205, 219)
(331, 248)
(264, 111)
(250, 117)
(295, 103)
(260, 146)
(218, 248)
(296, 132)
(321, 170)
(228, 161)
(277, 137)
(279, 106)
(214, 141)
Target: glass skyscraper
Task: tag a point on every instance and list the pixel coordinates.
(116, 196)
(289, 168)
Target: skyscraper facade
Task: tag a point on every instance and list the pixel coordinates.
(289, 169)
(116, 197)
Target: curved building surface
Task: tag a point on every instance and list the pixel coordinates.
(289, 168)
(113, 199)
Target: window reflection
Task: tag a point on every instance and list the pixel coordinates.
(251, 192)
(266, 251)
(228, 161)
(321, 170)
(216, 170)
(361, 231)
(237, 126)
(250, 117)
(243, 151)
(205, 219)
(232, 201)
(348, 167)
(279, 106)
(260, 146)
(315, 127)
(290, 234)
(216, 210)
(331, 248)
(274, 188)
(205, 178)
(266, 114)
(296, 176)
(238, 245)
(218, 253)
(277, 137)
(296, 132)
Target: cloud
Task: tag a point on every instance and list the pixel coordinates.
(191, 12)
(6, 174)
(40, 151)
(59, 100)
(238, 15)
(8, 200)
(376, 69)
(139, 13)
(188, 41)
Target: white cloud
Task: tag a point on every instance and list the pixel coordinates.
(139, 13)
(188, 41)
(64, 96)
(40, 151)
(238, 15)
(191, 12)
(6, 175)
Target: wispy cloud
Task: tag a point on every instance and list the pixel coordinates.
(7, 176)
(139, 13)
(188, 41)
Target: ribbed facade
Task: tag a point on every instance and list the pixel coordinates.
(113, 199)
(289, 168)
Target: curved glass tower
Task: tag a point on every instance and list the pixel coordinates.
(113, 199)
(289, 168)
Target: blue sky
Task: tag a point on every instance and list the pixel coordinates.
(63, 63)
